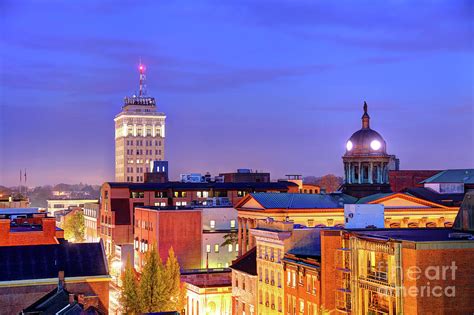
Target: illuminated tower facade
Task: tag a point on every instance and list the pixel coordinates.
(366, 162)
(139, 135)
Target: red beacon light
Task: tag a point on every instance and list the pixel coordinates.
(141, 68)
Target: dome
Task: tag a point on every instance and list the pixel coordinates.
(366, 141)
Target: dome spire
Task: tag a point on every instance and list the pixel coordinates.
(365, 118)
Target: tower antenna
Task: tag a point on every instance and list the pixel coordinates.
(141, 69)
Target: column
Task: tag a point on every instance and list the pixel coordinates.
(239, 234)
(244, 238)
(359, 173)
(371, 170)
(251, 237)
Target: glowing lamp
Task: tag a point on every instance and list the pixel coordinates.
(375, 145)
(349, 145)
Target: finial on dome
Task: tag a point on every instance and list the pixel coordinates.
(365, 118)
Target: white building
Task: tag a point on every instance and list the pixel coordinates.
(139, 135)
(55, 205)
(216, 224)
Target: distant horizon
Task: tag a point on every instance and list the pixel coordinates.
(273, 86)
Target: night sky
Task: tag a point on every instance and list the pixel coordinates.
(274, 86)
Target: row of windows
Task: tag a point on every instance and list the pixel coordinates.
(269, 301)
(242, 281)
(144, 225)
(90, 224)
(230, 248)
(294, 309)
(269, 253)
(105, 219)
(141, 246)
(140, 132)
(106, 230)
(140, 152)
(90, 213)
(212, 224)
(311, 280)
(140, 161)
(148, 143)
(268, 276)
(176, 194)
(131, 178)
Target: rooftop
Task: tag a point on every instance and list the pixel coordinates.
(198, 186)
(247, 263)
(465, 176)
(409, 234)
(302, 201)
(34, 262)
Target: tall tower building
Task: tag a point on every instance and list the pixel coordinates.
(366, 162)
(139, 135)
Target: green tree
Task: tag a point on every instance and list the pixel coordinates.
(74, 227)
(230, 238)
(129, 294)
(175, 291)
(153, 283)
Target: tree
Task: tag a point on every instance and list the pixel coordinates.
(129, 294)
(330, 182)
(175, 289)
(230, 238)
(74, 226)
(153, 283)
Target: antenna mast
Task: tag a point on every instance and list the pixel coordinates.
(141, 68)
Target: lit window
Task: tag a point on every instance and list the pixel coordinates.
(236, 247)
(216, 248)
(208, 248)
(230, 248)
(212, 224)
(232, 224)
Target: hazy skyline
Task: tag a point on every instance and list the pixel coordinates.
(269, 85)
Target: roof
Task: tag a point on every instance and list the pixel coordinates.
(465, 219)
(51, 303)
(302, 201)
(198, 186)
(408, 234)
(15, 211)
(465, 176)
(374, 197)
(433, 196)
(309, 246)
(247, 263)
(45, 261)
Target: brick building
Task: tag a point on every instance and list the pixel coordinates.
(118, 201)
(166, 228)
(403, 179)
(28, 229)
(244, 283)
(302, 280)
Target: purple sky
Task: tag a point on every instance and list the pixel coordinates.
(274, 86)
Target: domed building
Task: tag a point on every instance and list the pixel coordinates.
(366, 162)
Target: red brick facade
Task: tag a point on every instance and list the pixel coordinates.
(180, 229)
(25, 235)
(400, 180)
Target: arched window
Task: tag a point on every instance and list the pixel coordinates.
(394, 225)
(448, 224)
(430, 225)
(413, 225)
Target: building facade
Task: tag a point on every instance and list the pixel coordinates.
(55, 205)
(91, 213)
(139, 135)
(244, 284)
(118, 201)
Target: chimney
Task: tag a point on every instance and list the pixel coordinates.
(61, 284)
(4, 230)
(49, 227)
(71, 298)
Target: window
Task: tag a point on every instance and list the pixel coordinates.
(293, 273)
(203, 194)
(137, 194)
(161, 194)
(180, 194)
(232, 224)
(241, 193)
(208, 248)
(301, 306)
(216, 248)
(230, 248)
(212, 224)
(236, 247)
